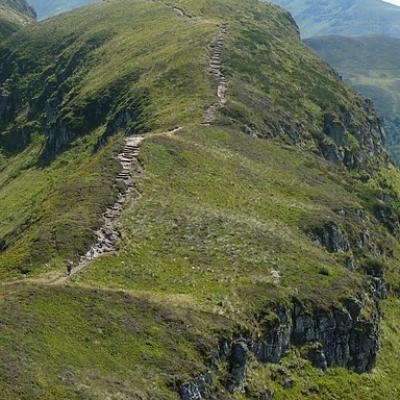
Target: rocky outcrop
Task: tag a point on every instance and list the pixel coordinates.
(332, 238)
(277, 336)
(3, 103)
(317, 357)
(345, 338)
(335, 129)
(350, 143)
(386, 213)
(238, 358)
(346, 335)
(196, 389)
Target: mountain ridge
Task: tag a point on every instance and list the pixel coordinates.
(13, 15)
(49, 8)
(344, 17)
(259, 245)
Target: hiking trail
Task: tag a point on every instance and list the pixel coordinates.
(216, 70)
(107, 236)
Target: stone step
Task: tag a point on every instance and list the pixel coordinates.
(127, 151)
(129, 156)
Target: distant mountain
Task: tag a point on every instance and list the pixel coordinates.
(49, 8)
(13, 14)
(371, 64)
(344, 17)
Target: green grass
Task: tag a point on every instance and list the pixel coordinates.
(80, 343)
(219, 211)
(234, 209)
(60, 201)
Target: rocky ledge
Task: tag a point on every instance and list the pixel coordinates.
(344, 336)
(352, 144)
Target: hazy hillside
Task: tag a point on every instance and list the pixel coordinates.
(49, 8)
(13, 15)
(344, 17)
(227, 201)
(372, 66)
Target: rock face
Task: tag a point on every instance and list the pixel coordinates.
(346, 339)
(335, 129)
(351, 144)
(237, 364)
(317, 357)
(386, 213)
(332, 238)
(341, 336)
(277, 338)
(195, 389)
(3, 102)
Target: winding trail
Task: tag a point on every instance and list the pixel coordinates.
(108, 236)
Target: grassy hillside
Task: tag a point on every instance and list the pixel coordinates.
(14, 14)
(371, 64)
(241, 229)
(344, 17)
(48, 8)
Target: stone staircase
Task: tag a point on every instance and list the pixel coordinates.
(107, 236)
(216, 70)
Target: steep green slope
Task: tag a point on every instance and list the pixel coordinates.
(14, 14)
(344, 17)
(48, 8)
(86, 95)
(264, 236)
(371, 64)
